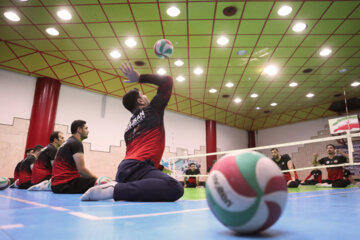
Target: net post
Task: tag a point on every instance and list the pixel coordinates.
(350, 147)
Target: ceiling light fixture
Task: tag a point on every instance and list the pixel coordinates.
(222, 41)
(130, 42)
(271, 70)
(229, 84)
(293, 84)
(12, 16)
(173, 11)
(180, 78)
(299, 27)
(254, 95)
(198, 71)
(115, 54)
(237, 100)
(52, 31)
(310, 95)
(284, 10)
(273, 104)
(64, 14)
(178, 63)
(213, 90)
(325, 52)
(161, 71)
(355, 84)
(258, 108)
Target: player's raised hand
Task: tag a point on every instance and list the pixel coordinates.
(130, 73)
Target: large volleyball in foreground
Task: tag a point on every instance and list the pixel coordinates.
(163, 48)
(246, 192)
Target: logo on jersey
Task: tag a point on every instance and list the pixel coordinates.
(136, 120)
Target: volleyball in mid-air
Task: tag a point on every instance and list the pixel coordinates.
(246, 192)
(103, 180)
(163, 48)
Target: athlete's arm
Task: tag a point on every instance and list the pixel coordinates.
(80, 166)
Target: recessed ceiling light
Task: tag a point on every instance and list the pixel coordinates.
(355, 84)
(180, 78)
(299, 27)
(222, 41)
(258, 108)
(325, 52)
(12, 16)
(198, 71)
(213, 90)
(293, 84)
(52, 31)
(64, 14)
(342, 70)
(130, 42)
(273, 104)
(115, 54)
(161, 71)
(241, 52)
(179, 63)
(237, 100)
(229, 84)
(271, 70)
(254, 95)
(310, 95)
(173, 11)
(284, 10)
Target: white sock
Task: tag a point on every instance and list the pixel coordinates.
(99, 192)
(42, 186)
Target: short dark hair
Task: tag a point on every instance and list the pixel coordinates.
(37, 148)
(29, 150)
(192, 164)
(77, 124)
(274, 149)
(130, 99)
(53, 136)
(330, 145)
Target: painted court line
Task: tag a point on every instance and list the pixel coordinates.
(91, 217)
(11, 226)
(35, 203)
(319, 195)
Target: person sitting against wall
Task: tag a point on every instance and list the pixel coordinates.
(191, 182)
(284, 162)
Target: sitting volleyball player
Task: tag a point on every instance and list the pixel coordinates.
(316, 173)
(284, 162)
(335, 174)
(15, 180)
(42, 169)
(26, 167)
(138, 177)
(69, 172)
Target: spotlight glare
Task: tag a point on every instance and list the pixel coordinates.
(115, 54)
(173, 11)
(52, 31)
(12, 16)
(64, 14)
(299, 27)
(284, 10)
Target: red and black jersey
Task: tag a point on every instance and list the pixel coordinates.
(282, 163)
(189, 172)
(334, 173)
(17, 170)
(64, 168)
(42, 166)
(145, 133)
(25, 169)
(317, 175)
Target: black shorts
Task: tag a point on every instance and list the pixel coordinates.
(77, 185)
(25, 185)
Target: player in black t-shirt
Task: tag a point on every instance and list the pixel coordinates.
(191, 182)
(284, 162)
(69, 172)
(13, 183)
(42, 170)
(335, 174)
(26, 167)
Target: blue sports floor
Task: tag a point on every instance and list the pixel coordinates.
(326, 214)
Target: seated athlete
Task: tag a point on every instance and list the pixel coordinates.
(26, 167)
(138, 177)
(284, 162)
(317, 174)
(42, 170)
(191, 182)
(69, 174)
(13, 181)
(335, 174)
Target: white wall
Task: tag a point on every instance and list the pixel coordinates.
(105, 129)
(229, 138)
(290, 133)
(16, 96)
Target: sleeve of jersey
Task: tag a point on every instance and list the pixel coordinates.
(77, 147)
(286, 158)
(307, 177)
(165, 83)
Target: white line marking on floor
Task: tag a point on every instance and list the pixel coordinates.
(319, 195)
(11, 226)
(91, 217)
(35, 203)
